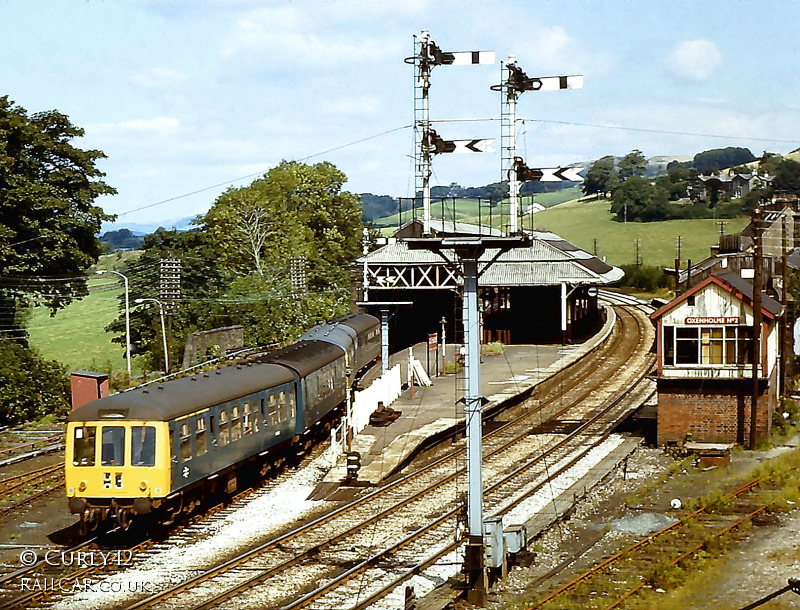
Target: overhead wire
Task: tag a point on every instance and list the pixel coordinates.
(261, 173)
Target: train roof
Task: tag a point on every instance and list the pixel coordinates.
(338, 334)
(173, 399)
(305, 356)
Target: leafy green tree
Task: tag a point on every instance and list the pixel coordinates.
(600, 176)
(236, 261)
(48, 217)
(787, 177)
(30, 387)
(721, 158)
(632, 164)
(637, 200)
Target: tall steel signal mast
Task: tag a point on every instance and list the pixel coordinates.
(514, 168)
(426, 141)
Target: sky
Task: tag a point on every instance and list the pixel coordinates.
(190, 97)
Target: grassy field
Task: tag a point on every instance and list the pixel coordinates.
(586, 223)
(76, 335)
(466, 210)
(590, 225)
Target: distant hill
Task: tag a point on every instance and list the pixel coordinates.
(141, 228)
(123, 239)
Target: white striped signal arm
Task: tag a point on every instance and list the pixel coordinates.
(556, 83)
(472, 58)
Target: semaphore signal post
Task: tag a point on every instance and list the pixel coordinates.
(427, 142)
(514, 169)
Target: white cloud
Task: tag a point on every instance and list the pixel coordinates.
(292, 36)
(694, 59)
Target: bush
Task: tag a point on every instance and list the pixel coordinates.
(648, 278)
(30, 387)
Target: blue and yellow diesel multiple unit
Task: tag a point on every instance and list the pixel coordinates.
(164, 447)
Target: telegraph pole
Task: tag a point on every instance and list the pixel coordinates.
(756, 325)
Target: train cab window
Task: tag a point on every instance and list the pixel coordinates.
(292, 406)
(84, 446)
(284, 415)
(143, 445)
(273, 410)
(236, 423)
(224, 432)
(186, 442)
(113, 443)
(200, 441)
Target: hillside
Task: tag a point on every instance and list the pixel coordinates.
(590, 225)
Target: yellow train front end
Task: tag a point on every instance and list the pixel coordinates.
(116, 469)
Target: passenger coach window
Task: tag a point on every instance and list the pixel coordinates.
(186, 442)
(113, 439)
(143, 446)
(273, 410)
(282, 406)
(250, 419)
(200, 441)
(84, 446)
(224, 433)
(236, 423)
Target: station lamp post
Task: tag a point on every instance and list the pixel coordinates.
(127, 316)
(163, 330)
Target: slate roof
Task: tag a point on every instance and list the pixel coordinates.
(549, 260)
(733, 283)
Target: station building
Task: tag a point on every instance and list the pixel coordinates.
(544, 292)
(704, 346)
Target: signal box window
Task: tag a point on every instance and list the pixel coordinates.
(84, 446)
(113, 440)
(143, 446)
(186, 442)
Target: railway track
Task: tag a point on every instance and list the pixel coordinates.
(367, 547)
(651, 563)
(20, 490)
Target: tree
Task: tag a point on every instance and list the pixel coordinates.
(236, 261)
(30, 387)
(48, 217)
(721, 158)
(599, 177)
(632, 164)
(638, 200)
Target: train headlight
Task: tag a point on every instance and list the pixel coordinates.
(143, 485)
(82, 486)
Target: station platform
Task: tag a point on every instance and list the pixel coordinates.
(428, 412)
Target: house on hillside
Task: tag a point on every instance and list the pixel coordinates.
(727, 186)
(705, 344)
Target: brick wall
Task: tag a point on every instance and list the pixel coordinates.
(712, 413)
